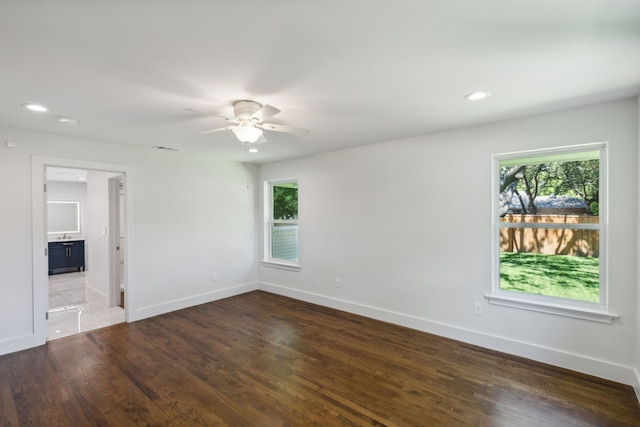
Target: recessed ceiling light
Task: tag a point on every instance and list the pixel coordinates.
(36, 107)
(477, 96)
(253, 150)
(67, 120)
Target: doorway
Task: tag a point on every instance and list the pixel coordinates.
(76, 296)
(84, 291)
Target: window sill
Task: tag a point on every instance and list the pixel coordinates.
(281, 265)
(557, 309)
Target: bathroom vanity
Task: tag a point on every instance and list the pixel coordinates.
(66, 256)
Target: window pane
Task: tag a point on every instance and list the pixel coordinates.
(285, 201)
(552, 241)
(563, 276)
(552, 245)
(284, 241)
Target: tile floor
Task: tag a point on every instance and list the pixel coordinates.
(74, 307)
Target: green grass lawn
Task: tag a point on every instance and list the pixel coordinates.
(552, 275)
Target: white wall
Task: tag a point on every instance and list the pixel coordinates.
(97, 231)
(192, 215)
(406, 226)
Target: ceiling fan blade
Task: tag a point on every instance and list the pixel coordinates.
(264, 113)
(283, 128)
(207, 114)
(204, 132)
(194, 111)
(261, 140)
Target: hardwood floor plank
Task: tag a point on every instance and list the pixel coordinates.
(264, 360)
(7, 405)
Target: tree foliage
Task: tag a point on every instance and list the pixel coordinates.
(533, 179)
(583, 179)
(285, 202)
(576, 178)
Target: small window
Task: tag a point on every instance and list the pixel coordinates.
(549, 227)
(281, 227)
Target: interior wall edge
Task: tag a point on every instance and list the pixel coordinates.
(191, 301)
(599, 368)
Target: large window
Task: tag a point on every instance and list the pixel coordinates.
(281, 225)
(549, 229)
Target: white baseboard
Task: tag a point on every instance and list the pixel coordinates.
(179, 304)
(11, 345)
(636, 383)
(599, 368)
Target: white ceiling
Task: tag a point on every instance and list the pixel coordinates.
(354, 72)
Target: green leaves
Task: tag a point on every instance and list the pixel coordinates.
(285, 202)
(573, 178)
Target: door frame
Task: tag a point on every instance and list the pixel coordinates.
(40, 240)
(115, 244)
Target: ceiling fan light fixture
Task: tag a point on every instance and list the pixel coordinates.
(247, 134)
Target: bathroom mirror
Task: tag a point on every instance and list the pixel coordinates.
(63, 217)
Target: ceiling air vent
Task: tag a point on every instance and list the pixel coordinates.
(160, 147)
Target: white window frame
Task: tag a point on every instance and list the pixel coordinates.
(542, 303)
(268, 259)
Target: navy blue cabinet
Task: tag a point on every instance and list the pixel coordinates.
(66, 256)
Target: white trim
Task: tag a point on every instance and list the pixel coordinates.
(550, 225)
(635, 383)
(285, 221)
(575, 362)
(114, 239)
(281, 265)
(545, 304)
(558, 309)
(40, 285)
(555, 153)
(23, 342)
(268, 221)
(191, 301)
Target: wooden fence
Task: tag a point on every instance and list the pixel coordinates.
(552, 241)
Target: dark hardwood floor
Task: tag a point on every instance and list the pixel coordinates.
(263, 360)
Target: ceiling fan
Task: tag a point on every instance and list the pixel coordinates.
(249, 122)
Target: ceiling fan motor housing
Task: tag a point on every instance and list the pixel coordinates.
(245, 109)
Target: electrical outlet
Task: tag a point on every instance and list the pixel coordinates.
(477, 309)
(214, 277)
(338, 282)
